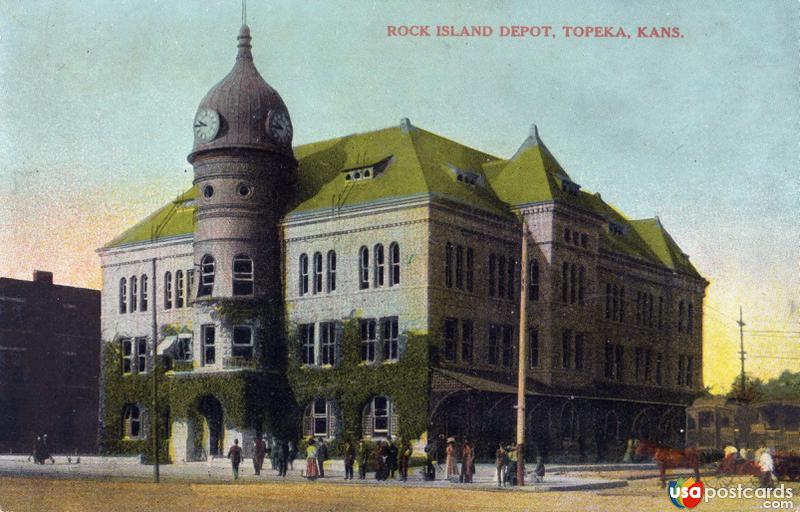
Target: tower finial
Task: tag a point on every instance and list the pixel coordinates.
(244, 44)
(244, 12)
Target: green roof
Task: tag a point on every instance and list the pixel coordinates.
(412, 162)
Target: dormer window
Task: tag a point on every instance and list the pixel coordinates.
(570, 187)
(615, 228)
(366, 172)
(467, 177)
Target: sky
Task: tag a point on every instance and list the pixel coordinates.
(97, 101)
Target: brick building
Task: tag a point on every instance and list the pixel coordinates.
(405, 232)
(49, 362)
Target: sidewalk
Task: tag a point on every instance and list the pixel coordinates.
(219, 471)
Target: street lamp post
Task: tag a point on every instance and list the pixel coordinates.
(521, 363)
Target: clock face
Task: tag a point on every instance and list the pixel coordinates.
(279, 127)
(206, 124)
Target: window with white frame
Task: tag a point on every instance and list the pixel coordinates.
(243, 341)
(379, 417)
(363, 268)
(320, 418)
(179, 289)
(126, 347)
(168, 290)
(208, 333)
(207, 271)
(368, 340)
(134, 291)
(331, 277)
(378, 273)
(123, 295)
(183, 348)
(317, 283)
(131, 422)
(327, 343)
(189, 285)
(141, 354)
(394, 264)
(306, 333)
(390, 338)
(242, 275)
(143, 293)
(303, 274)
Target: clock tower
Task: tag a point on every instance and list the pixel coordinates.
(243, 165)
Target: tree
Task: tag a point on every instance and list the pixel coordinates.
(787, 386)
(753, 389)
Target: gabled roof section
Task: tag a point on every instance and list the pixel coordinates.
(663, 246)
(174, 219)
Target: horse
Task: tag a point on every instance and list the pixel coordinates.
(667, 458)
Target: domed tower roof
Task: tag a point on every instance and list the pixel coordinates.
(242, 111)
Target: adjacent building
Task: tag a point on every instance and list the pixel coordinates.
(369, 286)
(49, 365)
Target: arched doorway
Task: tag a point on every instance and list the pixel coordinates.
(206, 429)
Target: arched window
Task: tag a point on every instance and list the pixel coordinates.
(379, 265)
(317, 279)
(179, 288)
(448, 265)
(394, 264)
(331, 271)
(242, 275)
(123, 295)
(168, 290)
(207, 269)
(380, 419)
(143, 293)
(134, 292)
(459, 267)
(131, 422)
(533, 280)
(363, 268)
(320, 418)
(303, 267)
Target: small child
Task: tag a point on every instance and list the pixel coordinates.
(538, 471)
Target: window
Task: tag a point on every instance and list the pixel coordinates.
(379, 265)
(579, 351)
(307, 338)
(243, 341)
(303, 267)
(470, 268)
(584, 240)
(134, 291)
(638, 364)
(317, 283)
(459, 267)
(688, 380)
(492, 347)
(206, 276)
(660, 313)
(168, 290)
(565, 283)
(567, 235)
(581, 283)
(123, 295)
(466, 341)
(327, 341)
(131, 420)
(492, 265)
(614, 354)
(501, 272)
(648, 359)
(380, 416)
(368, 340)
(189, 285)
(320, 417)
(659, 364)
(508, 347)
(448, 265)
(141, 354)
(689, 317)
(363, 268)
(533, 341)
(127, 355)
(572, 284)
(622, 304)
(608, 301)
(143, 293)
(566, 348)
(680, 370)
(609, 361)
(179, 289)
(512, 268)
(450, 333)
(390, 339)
(576, 237)
(183, 349)
(394, 264)
(209, 354)
(615, 303)
(619, 353)
(533, 280)
(681, 307)
(242, 275)
(331, 277)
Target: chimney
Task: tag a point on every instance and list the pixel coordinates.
(43, 277)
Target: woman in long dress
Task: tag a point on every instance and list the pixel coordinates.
(466, 464)
(311, 461)
(452, 467)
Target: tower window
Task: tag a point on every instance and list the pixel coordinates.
(208, 191)
(123, 295)
(179, 289)
(243, 341)
(143, 293)
(209, 342)
(450, 329)
(168, 290)
(317, 288)
(242, 275)
(368, 340)
(331, 271)
(244, 190)
(378, 273)
(327, 343)
(363, 268)
(533, 280)
(207, 268)
(127, 355)
(394, 264)
(390, 334)
(459, 267)
(303, 274)
(141, 354)
(307, 338)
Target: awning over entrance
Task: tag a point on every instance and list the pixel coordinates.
(167, 345)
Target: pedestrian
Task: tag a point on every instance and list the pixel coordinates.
(322, 456)
(283, 456)
(46, 451)
(391, 461)
(381, 457)
(235, 454)
(349, 459)
(466, 464)
(363, 457)
(259, 449)
(538, 471)
(292, 454)
(501, 462)
(430, 458)
(767, 465)
(452, 466)
(511, 471)
(405, 457)
(311, 460)
(441, 451)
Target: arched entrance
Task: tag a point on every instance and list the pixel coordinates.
(206, 429)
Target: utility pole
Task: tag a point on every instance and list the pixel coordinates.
(522, 363)
(741, 347)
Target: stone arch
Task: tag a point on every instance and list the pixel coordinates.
(205, 428)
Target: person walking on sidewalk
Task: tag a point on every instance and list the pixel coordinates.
(283, 458)
(501, 462)
(322, 456)
(235, 454)
(391, 461)
(452, 466)
(311, 460)
(363, 457)
(430, 458)
(292, 454)
(466, 464)
(349, 459)
(405, 457)
(259, 450)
